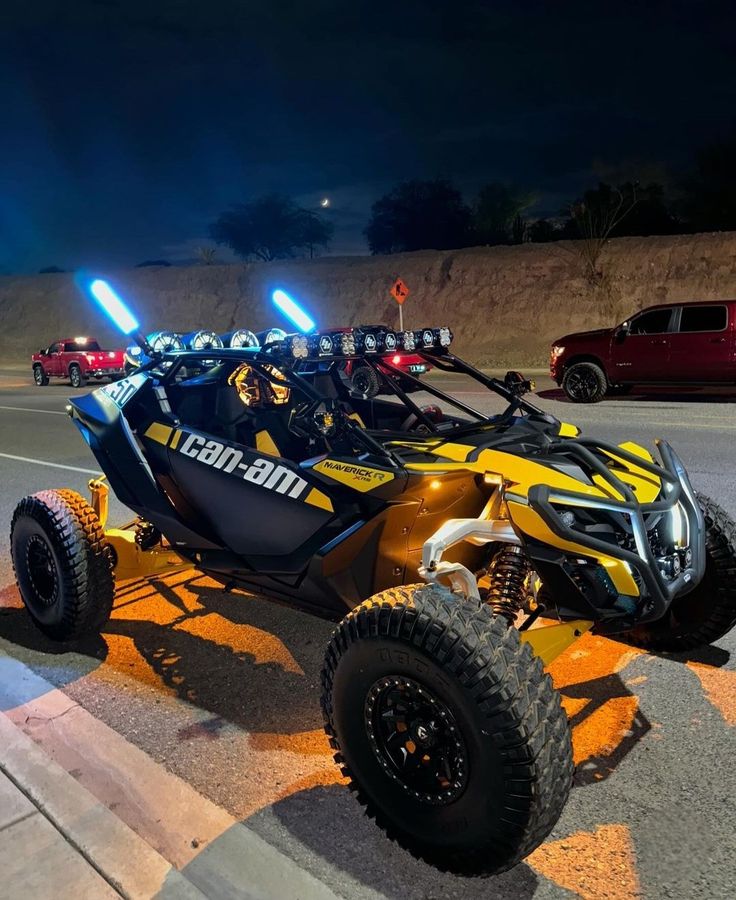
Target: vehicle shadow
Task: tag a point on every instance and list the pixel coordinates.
(652, 394)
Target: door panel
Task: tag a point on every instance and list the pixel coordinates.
(52, 363)
(702, 348)
(643, 354)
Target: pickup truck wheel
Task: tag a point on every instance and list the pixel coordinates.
(585, 382)
(62, 563)
(75, 376)
(451, 734)
(709, 610)
(365, 381)
(40, 377)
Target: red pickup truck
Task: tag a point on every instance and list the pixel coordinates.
(77, 359)
(675, 343)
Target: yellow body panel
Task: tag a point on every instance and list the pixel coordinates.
(360, 478)
(549, 641)
(134, 562)
(265, 444)
(531, 523)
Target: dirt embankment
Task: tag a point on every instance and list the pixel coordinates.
(505, 304)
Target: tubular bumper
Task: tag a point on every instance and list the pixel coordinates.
(676, 492)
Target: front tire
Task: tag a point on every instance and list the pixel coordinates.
(585, 382)
(76, 377)
(709, 610)
(62, 564)
(451, 733)
(40, 377)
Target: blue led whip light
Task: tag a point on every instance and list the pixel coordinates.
(293, 312)
(114, 306)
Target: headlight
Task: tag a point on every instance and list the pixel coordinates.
(165, 342)
(243, 338)
(273, 336)
(347, 343)
(557, 350)
(407, 339)
(300, 346)
(203, 340)
(445, 336)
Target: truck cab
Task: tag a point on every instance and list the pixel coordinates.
(674, 343)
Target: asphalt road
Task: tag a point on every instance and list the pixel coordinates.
(221, 690)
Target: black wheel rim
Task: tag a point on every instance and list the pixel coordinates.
(42, 572)
(416, 739)
(361, 383)
(582, 385)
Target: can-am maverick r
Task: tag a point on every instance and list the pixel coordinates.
(458, 552)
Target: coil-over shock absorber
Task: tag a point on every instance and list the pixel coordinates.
(506, 575)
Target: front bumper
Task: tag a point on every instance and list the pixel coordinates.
(677, 493)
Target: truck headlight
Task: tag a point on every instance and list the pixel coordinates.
(557, 350)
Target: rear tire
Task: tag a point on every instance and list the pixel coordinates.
(449, 730)
(75, 376)
(62, 564)
(365, 382)
(39, 376)
(709, 610)
(585, 382)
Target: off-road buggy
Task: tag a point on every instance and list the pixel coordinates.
(458, 552)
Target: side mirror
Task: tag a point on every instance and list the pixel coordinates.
(44, 351)
(517, 384)
(622, 332)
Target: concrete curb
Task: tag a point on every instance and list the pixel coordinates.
(233, 862)
(126, 862)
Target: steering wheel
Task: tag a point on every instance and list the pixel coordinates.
(414, 423)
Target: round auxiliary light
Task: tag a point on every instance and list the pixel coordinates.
(165, 342)
(243, 338)
(408, 340)
(204, 340)
(445, 337)
(427, 338)
(273, 336)
(389, 341)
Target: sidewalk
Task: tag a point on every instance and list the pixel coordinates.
(60, 840)
(57, 841)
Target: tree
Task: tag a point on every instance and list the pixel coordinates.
(206, 255)
(419, 215)
(51, 270)
(595, 217)
(497, 215)
(543, 231)
(709, 192)
(271, 227)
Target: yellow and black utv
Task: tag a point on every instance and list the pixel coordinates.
(458, 551)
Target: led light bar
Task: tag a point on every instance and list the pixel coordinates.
(364, 341)
(293, 312)
(114, 306)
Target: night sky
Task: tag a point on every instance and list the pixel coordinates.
(128, 126)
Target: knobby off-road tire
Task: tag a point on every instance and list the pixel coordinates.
(709, 610)
(62, 564)
(365, 381)
(40, 378)
(76, 378)
(510, 759)
(585, 382)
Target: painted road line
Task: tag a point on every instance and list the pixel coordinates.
(48, 412)
(53, 465)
